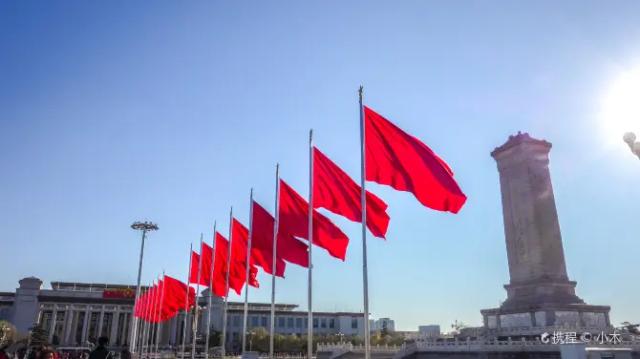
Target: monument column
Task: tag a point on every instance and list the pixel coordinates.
(532, 232)
(539, 293)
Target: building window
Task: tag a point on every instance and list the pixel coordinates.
(315, 322)
(332, 323)
(289, 322)
(281, 322)
(236, 320)
(354, 323)
(264, 322)
(298, 322)
(323, 323)
(254, 321)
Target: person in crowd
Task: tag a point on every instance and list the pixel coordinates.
(3, 353)
(125, 353)
(47, 354)
(101, 351)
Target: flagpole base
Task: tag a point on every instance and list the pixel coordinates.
(249, 355)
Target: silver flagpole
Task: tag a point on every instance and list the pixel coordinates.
(363, 204)
(195, 312)
(149, 339)
(213, 262)
(272, 322)
(156, 309)
(145, 333)
(151, 324)
(140, 334)
(144, 327)
(223, 338)
(246, 286)
(186, 307)
(310, 271)
(159, 318)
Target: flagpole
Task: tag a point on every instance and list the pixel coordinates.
(226, 299)
(363, 203)
(272, 322)
(149, 339)
(213, 262)
(144, 324)
(159, 328)
(246, 285)
(186, 306)
(140, 334)
(145, 337)
(310, 271)
(145, 333)
(195, 312)
(154, 322)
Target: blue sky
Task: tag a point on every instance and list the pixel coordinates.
(111, 112)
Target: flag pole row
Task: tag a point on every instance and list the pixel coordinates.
(388, 156)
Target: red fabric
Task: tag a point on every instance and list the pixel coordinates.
(193, 272)
(205, 272)
(239, 247)
(397, 159)
(262, 242)
(220, 270)
(175, 297)
(294, 221)
(335, 191)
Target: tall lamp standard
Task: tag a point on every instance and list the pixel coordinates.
(630, 139)
(144, 227)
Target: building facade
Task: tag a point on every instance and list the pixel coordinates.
(76, 314)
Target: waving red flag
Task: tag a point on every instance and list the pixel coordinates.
(397, 159)
(193, 273)
(335, 191)
(221, 267)
(239, 247)
(207, 258)
(289, 249)
(175, 297)
(294, 221)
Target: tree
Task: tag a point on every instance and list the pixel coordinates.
(630, 328)
(8, 333)
(38, 336)
(214, 338)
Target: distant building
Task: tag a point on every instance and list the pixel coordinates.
(77, 313)
(429, 331)
(382, 324)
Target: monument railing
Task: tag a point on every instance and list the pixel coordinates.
(471, 345)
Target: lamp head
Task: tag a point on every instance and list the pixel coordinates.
(629, 138)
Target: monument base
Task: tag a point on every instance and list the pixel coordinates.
(545, 317)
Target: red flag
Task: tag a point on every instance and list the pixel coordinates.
(294, 221)
(289, 249)
(193, 273)
(221, 267)
(239, 247)
(403, 162)
(335, 191)
(207, 258)
(175, 296)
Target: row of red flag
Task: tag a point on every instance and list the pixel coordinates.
(393, 158)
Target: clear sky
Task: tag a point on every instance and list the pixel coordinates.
(117, 111)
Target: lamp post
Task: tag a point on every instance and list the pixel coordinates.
(144, 227)
(630, 139)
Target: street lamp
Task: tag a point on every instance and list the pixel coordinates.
(630, 139)
(144, 227)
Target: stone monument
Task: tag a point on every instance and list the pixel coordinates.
(539, 294)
